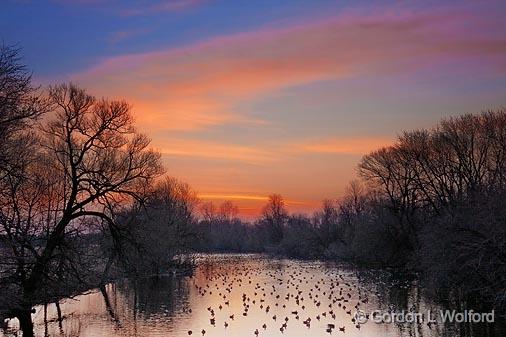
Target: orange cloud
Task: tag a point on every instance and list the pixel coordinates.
(350, 145)
(233, 197)
(268, 153)
(215, 150)
(201, 85)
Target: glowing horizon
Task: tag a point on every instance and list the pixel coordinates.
(246, 99)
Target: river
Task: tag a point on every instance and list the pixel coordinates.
(253, 295)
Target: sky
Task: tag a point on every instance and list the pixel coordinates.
(247, 98)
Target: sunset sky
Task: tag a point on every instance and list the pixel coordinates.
(247, 98)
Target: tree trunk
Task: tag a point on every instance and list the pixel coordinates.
(25, 322)
(46, 329)
(60, 318)
(108, 305)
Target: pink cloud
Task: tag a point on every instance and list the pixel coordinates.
(201, 85)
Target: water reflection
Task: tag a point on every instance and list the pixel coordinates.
(247, 295)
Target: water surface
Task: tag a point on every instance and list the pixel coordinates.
(248, 295)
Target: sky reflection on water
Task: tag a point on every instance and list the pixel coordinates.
(243, 295)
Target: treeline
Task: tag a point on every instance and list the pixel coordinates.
(434, 202)
(442, 193)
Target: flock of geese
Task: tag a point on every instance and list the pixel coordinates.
(302, 295)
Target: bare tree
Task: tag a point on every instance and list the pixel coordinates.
(445, 187)
(222, 230)
(162, 226)
(208, 211)
(88, 163)
(20, 105)
(327, 222)
(388, 171)
(274, 217)
(228, 211)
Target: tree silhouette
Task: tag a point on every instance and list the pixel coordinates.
(88, 162)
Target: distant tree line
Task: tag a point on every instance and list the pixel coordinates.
(434, 202)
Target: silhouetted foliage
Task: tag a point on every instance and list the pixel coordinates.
(273, 220)
(220, 230)
(432, 202)
(86, 163)
(161, 228)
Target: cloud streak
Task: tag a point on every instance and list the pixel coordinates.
(135, 7)
(344, 145)
(187, 95)
(161, 6)
(215, 150)
(271, 152)
(201, 85)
